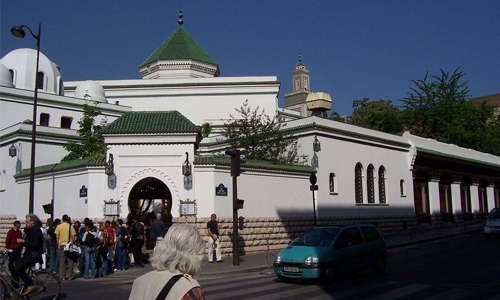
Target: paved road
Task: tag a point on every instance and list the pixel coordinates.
(464, 267)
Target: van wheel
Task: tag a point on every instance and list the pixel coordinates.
(330, 273)
(380, 265)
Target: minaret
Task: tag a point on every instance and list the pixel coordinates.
(300, 77)
(296, 99)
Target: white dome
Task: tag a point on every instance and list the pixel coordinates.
(23, 63)
(90, 90)
(5, 77)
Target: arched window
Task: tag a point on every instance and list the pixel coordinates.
(358, 183)
(381, 184)
(370, 184)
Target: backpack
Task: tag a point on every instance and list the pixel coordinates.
(90, 240)
(124, 238)
(139, 231)
(79, 235)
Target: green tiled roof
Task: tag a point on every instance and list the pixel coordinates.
(224, 160)
(151, 122)
(67, 165)
(179, 45)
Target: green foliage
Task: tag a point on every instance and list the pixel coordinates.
(337, 117)
(92, 144)
(438, 108)
(206, 129)
(379, 115)
(261, 137)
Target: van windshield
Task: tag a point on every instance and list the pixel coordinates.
(317, 237)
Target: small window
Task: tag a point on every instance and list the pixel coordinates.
(333, 183)
(11, 74)
(66, 122)
(2, 181)
(44, 119)
(40, 80)
(402, 188)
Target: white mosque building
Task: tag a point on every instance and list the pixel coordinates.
(154, 130)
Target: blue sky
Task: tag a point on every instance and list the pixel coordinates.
(353, 49)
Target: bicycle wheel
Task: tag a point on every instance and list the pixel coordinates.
(48, 286)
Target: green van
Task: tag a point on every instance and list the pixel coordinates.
(326, 251)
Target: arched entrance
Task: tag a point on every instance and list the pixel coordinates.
(150, 196)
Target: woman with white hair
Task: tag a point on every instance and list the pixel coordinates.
(177, 260)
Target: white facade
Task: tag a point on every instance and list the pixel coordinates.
(202, 100)
(360, 172)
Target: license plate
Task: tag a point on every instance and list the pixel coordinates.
(290, 269)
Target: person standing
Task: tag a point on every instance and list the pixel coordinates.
(89, 241)
(51, 233)
(213, 239)
(33, 243)
(14, 249)
(65, 233)
(110, 243)
(158, 227)
(177, 259)
(122, 241)
(80, 231)
(102, 251)
(137, 240)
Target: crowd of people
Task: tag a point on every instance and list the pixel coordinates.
(104, 246)
(104, 249)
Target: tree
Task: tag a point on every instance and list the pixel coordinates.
(92, 144)
(261, 137)
(335, 116)
(433, 109)
(379, 115)
(438, 108)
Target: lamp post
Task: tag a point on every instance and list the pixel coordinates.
(18, 32)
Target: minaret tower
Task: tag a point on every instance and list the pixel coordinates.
(300, 77)
(296, 99)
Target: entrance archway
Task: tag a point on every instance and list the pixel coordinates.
(150, 196)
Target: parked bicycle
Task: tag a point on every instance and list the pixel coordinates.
(47, 284)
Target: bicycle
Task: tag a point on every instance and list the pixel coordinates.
(46, 281)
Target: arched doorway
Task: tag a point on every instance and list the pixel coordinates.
(150, 196)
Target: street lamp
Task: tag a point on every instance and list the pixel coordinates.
(18, 32)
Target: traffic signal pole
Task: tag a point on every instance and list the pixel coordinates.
(235, 172)
(236, 256)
